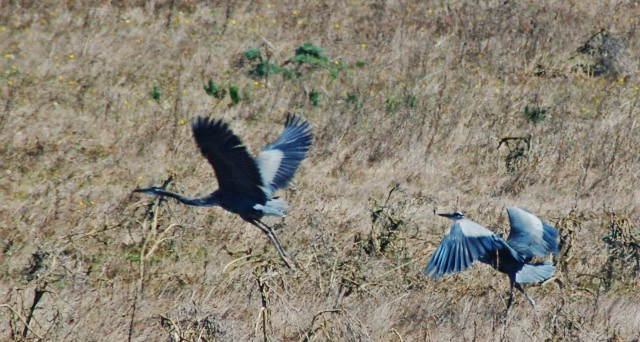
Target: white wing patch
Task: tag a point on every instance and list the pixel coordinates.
(275, 206)
(472, 229)
(268, 164)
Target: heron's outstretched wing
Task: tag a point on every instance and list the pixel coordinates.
(235, 169)
(531, 236)
(466, 243)
(279, 160)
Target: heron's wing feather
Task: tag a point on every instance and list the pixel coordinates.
(279, 160)
(235, 169)
(535, 272)
(466, 243)
(529, 235)
(458, 254)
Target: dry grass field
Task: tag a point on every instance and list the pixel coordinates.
(417, 107)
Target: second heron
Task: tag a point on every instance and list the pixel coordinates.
(468, 241)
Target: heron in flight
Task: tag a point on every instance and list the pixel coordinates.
(246, 185)
(468, 241)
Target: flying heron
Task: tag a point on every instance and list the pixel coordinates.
(468, 241)
(246, 185)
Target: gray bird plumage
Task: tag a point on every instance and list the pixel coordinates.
(529, 235)
(247, 184)
(468, 241)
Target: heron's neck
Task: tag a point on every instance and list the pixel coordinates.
(206, 201)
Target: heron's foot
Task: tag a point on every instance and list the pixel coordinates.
(521, 289)
(533, 303)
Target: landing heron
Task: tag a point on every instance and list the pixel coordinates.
(468, 241)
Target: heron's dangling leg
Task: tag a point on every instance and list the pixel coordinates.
(510, 296)
(519, 287)
(276, 242)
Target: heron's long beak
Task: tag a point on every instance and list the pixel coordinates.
(149, 191)
(447, 215)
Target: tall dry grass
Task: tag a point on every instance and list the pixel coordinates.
(411, 124)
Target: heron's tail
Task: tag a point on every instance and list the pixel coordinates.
(275, 206)
(535, 272)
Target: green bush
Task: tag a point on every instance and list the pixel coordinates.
(264, 68)
(234, 94)
(155, 93)
(309, 53)
(216, 91)
(535, 114)
(314, 97)
(252, 53)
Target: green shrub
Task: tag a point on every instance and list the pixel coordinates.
(264, 68)
(311, 54)
(234, 94)
(252, 53)
(391, 103)
(155, 93)
(535, 114)
(314, 97)
(216, 91)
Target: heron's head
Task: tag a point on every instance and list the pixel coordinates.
(456, 215)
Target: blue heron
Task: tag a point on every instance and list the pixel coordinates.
(246, 185)
(468, 241)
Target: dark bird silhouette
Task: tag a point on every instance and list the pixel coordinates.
(468, 241)
(247, 184)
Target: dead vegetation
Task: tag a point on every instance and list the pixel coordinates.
(417, 107)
